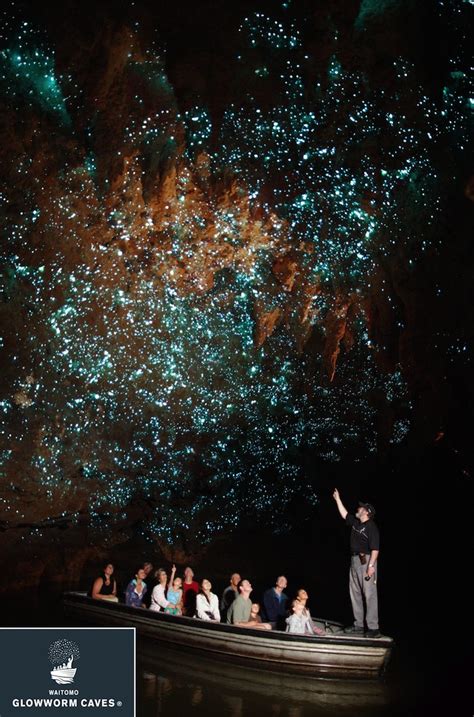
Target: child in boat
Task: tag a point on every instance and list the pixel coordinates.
(254, 612)
(298, 623)
(174, 594)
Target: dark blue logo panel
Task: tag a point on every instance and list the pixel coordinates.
(67, 671)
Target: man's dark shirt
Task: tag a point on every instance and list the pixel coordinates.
(274, 607)
(365, 537)
(150, 584)
(228, 597)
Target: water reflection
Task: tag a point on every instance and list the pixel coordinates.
(171, 683)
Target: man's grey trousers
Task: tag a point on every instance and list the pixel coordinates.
(363, 594)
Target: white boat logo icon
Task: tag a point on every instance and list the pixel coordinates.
(64, 674)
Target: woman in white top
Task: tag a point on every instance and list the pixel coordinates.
(158, 596)
(207, 604)
(302, 597)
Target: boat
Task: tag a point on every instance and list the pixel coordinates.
(334, 654)
(63, 677)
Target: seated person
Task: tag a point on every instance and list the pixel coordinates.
(302, 597)
(147, 567)
(190, 591)
(275, 602)
(105, 586)
(158, 596)
(136, 590)
(254, 612)
(239, 612)
(150, 582)
(207, 604)
(298, 623)
(174, 594)
(229, 594)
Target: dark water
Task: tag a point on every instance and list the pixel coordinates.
(170, 683)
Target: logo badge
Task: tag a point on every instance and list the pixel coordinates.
(61, 671)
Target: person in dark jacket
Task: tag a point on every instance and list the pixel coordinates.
(275, 604)
(150, 582)
(229, 594)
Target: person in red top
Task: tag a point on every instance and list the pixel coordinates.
(190, 591)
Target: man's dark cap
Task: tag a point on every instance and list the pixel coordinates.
(369, 508)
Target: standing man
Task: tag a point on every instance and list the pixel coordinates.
(365, 543)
